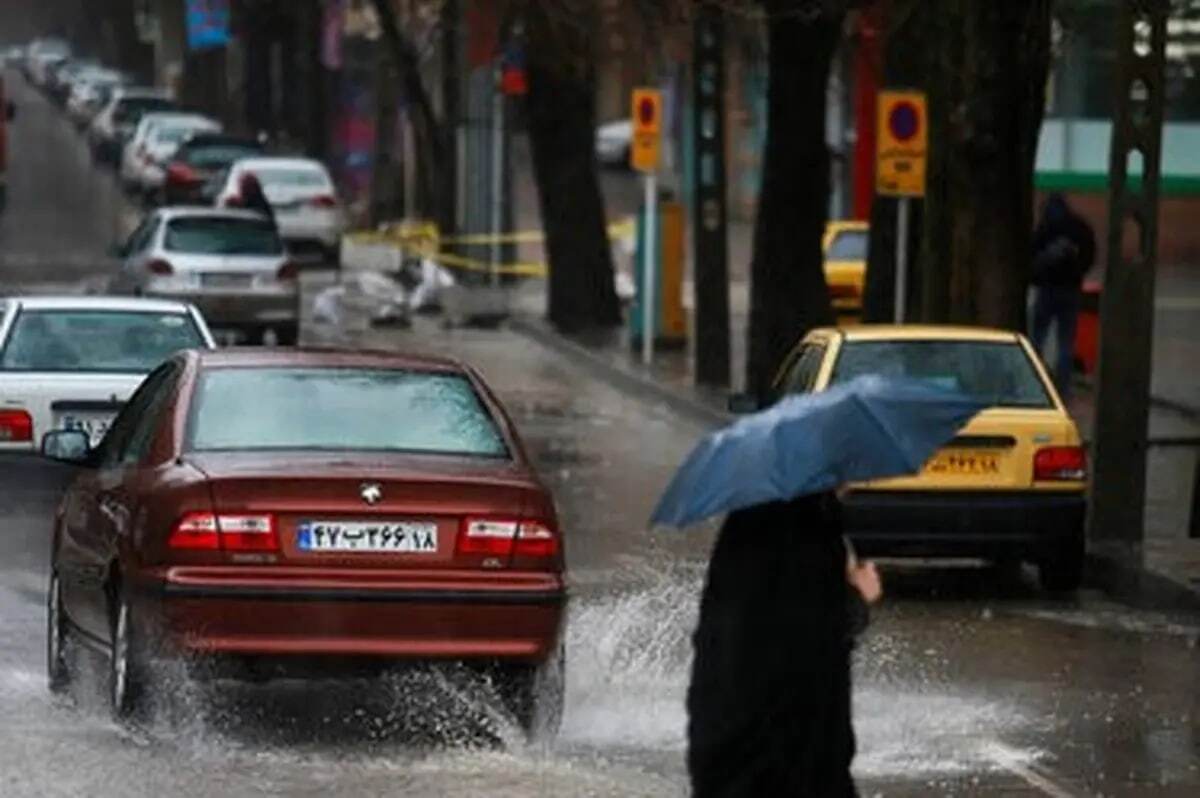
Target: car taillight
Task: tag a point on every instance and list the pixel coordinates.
(502, 538)
(492, 538)
(1060, 464)
(181, 173)
(323, 201)
(233, 532)
(837, 291)
(16, 426)
(160, 267)
(535, 539)
(288, 271)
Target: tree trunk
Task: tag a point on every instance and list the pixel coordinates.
(986, 99)
(905, 66)
(788, 294)
(561, 108)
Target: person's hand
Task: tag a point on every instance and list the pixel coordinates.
(864, 578)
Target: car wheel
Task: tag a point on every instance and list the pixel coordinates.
(126, 673)
(533, 695)
(58, 669)
(1062, 570)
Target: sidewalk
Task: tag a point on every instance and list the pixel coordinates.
(1169, 571)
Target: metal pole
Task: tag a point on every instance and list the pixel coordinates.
(648, 268)
(497, 177)
(901, 258)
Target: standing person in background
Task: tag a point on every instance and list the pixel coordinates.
(1064, 249)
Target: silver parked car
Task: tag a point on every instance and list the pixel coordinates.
(231, 264)
(302, 196)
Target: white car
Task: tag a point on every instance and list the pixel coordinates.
(42, 53)
(90, 94)
(113, 126)
(302, 196)
(71, 362)
(229, 263)
(613, 141)
(154, 141)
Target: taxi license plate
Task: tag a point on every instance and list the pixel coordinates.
(368, 537)
(96, 427)
(963, 462)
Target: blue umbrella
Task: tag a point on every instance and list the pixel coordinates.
(871, 427)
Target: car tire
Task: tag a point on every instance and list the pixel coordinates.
(128, 687)
(1062, 570)
(58, 669)
(534, 694)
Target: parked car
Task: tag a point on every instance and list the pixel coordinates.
(613, 141)
(229, 263)
(199, 158)
(1010, 487)
(153, 142)
(70, 362)
(302, 195)
(296, 511)
(62, 76)
(845, 247)
(40, 54)
(114, 125)
(91, 93)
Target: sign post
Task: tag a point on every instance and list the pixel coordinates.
(901, 139)
(643, 156)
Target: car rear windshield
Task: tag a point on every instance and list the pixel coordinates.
(131, 109)
(342, 409)
(848, 245)
(176, 133)
(292, 178)
(996, 372)
(216, 156)
(216, 235)
(96, 341)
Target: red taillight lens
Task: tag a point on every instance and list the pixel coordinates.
(487, 537)
(234, 532)
(842, 291)
(323, 201)
(535, 539)
(160, 267)
(248, 532)
(1060, 464)
(181, 173)
(16, 426)
(288, 271)
(195, 531)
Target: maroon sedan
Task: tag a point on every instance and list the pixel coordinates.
(286, 506)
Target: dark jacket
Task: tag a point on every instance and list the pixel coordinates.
(769, 701)
(1064, 246)
(253, 198)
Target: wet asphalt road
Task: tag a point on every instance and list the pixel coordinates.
(970, 681)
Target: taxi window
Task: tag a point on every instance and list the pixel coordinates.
(996, 372)
(801, 375)
(848, 245)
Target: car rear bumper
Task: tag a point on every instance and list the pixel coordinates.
(296, 612)
(1027, 524)
(227, 309)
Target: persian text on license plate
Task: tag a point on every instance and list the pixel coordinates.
(395, 537)
(219, 280)
(964, 462)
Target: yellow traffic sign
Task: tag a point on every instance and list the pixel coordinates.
(901, 139)
(647, 117)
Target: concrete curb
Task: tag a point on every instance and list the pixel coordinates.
(1139, 587)
(628, 380)
(1131, 585)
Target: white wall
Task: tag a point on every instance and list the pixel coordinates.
(1082, 145)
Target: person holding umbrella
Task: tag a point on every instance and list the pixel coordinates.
(769, 703)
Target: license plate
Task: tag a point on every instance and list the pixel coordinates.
(225, 280)
(963, 462)
(96, 427)
(387, 537)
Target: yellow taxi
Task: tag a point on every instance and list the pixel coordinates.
(1009, 487)
(845, 247)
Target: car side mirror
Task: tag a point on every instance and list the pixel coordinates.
(67, 446)
(744, 403)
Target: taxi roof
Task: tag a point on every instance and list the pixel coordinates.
(920, 332)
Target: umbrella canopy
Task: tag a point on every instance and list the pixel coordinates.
(869, 428)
